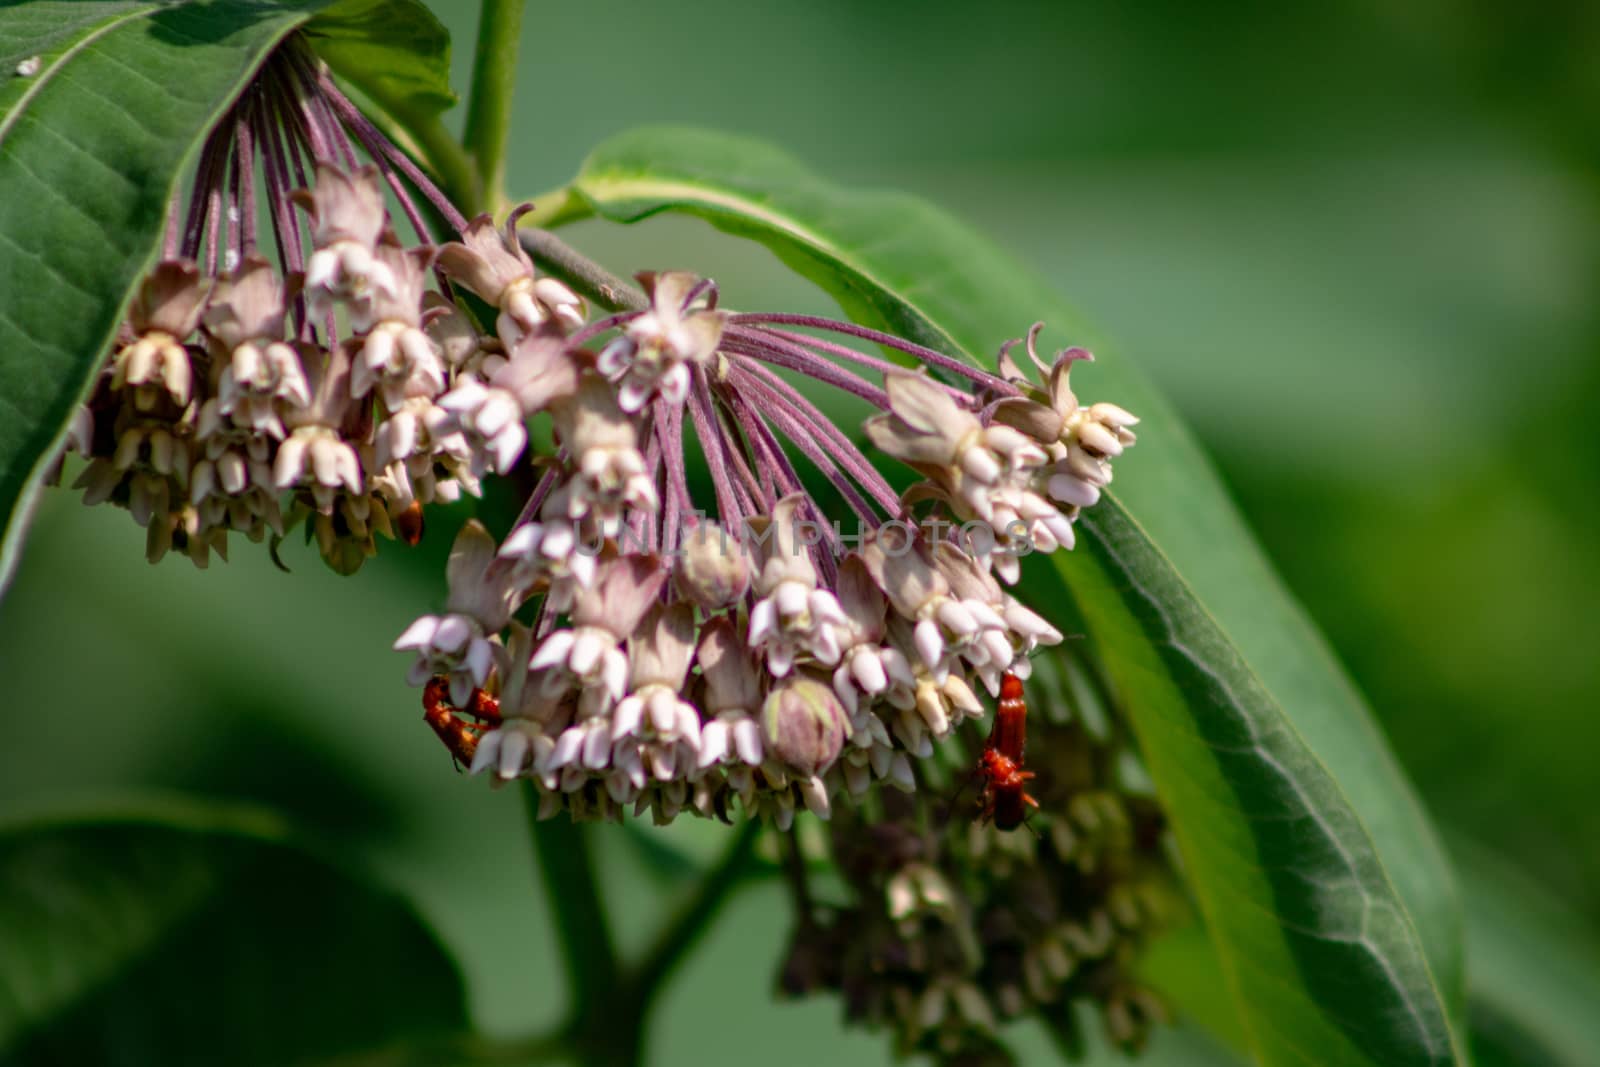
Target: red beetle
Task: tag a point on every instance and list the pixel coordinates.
(1005, 798)
(459, 735)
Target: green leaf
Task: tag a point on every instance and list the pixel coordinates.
(1290, 882)
(394, 51)
(1321, 881)
(1534, 968)
(179, 936)
(92, 147)
(94, 144)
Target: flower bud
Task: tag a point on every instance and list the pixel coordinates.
(804, 724)
(713, 569)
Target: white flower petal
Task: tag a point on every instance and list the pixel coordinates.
(553, 651)
(663, 712)
(480, 658)
(868, 672)
(674, 386)
(929, 642)
(452, 635)
(713, 743)
(763, 622)
(747, 741)
(568, 746)
(597, 746)
(513, 753)
(507, 447)
(625, 719)
(587, 649)
(791, 599)
(614, 676)
(487, 752)
(289, 463)
(419, 634)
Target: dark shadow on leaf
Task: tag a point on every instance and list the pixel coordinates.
(214, 947)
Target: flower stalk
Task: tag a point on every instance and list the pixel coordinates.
(611, 1001)
(565, 860)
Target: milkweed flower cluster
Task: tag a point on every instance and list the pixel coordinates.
(713, 598)
(948, 928)
(249, 396)
(648, 645)
(652, 650)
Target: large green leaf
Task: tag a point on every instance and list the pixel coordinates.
(1327, 893)
(178, 937)
(93, 144)
(1534, 969)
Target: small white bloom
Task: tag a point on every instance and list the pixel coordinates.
(491, 420)
(796, 620)
(550, 553)
(452, 645)
(609, 476)
(400, 361)
(793, 618)
(346, 265)
(589, 658)
(458, 643)
(654, 353)
(490, 261)
(514, 749)
(319, 458)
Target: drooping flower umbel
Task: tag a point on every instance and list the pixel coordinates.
(780, 626)
(295, 376)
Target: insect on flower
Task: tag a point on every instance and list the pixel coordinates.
(1004, 798)
(451, 723)
(410, 523)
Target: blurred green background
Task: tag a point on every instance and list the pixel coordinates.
(1357, 243)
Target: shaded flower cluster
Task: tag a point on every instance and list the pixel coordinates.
(651, 650)
(948, 928)
(249, 397)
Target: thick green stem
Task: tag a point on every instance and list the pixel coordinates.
(494, 79)
(610, 1004)
(566, 867)
(794, 867)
